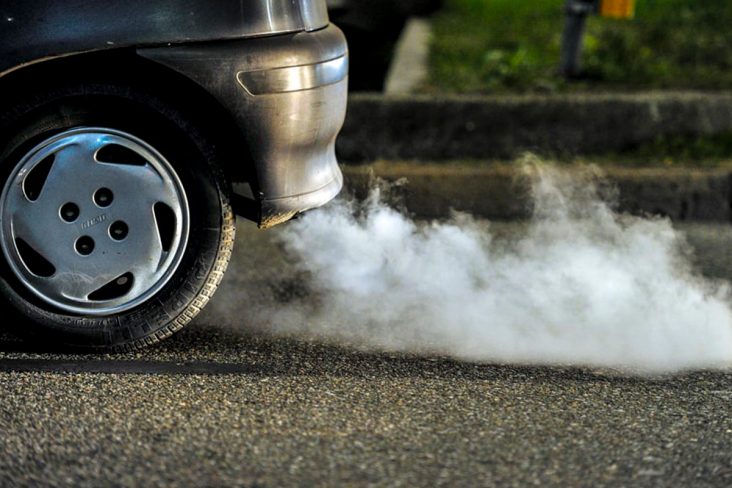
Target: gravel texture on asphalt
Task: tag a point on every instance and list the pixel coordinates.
(224, 405)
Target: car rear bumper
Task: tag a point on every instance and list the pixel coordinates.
(288, 96)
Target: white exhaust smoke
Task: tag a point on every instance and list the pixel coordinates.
(581, 286)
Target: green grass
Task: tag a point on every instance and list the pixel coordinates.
(700, 151)
(499, 46)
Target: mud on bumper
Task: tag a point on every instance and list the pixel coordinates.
(287, 94)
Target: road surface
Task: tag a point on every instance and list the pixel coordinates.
(220, 404)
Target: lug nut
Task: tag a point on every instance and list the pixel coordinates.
(103, 197)
(69, 212)
(118, 230)
(84, 245)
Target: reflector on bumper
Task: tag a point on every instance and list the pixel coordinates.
(294, 78)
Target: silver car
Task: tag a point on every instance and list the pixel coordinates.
(124, 126)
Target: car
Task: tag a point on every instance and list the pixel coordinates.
(132, 132)
(373, 28)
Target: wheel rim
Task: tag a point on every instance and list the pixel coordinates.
(94, 221)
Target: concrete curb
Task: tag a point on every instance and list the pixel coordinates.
(409, 67)
(422, 127)
(501, 192)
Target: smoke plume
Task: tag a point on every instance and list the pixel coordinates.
(580, 285)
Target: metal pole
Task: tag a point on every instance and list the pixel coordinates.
(575, 18)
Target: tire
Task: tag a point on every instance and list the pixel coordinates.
(163, 190)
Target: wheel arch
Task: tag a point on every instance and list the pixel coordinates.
(125, 66)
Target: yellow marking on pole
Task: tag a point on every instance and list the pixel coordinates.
(619, 9)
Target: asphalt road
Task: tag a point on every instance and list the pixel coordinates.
(222, 404)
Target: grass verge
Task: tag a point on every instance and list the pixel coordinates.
(494, 46)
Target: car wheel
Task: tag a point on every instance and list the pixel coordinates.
(115, 222)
